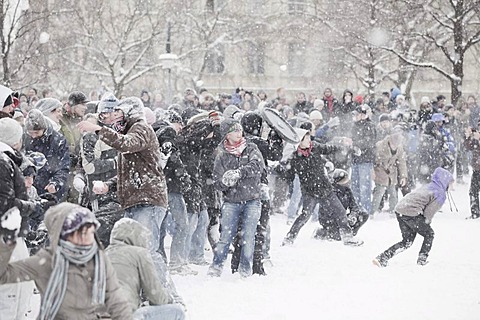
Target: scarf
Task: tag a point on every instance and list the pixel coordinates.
(237, 148)
(329, 103)
(306, 152)
(67, 253)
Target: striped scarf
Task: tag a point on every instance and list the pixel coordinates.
(67, 253)
(236, 148)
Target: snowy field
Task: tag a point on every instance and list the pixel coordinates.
(326, 280)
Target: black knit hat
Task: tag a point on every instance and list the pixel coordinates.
(77, 97)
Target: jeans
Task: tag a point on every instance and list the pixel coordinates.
(151, 217)
(232, 212)
(196, 236)
(362, 184)
(178, 210)
(163, 312)
(378, 193)
(295, 199)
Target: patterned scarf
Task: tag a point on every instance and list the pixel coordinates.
(329, 103)
(237, 148)
(306, 152)
(67, 253)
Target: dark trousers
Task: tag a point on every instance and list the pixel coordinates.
(330, 208)
(474, 190)
(410, 227)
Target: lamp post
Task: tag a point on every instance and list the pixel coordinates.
(168, 62)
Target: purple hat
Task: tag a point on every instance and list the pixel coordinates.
(77, 219)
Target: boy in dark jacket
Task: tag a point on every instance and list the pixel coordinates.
(307, 162)
(415, 213)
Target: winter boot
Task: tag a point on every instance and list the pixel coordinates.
(380, 261)
(258, 269)
(320, 234)
(422, 259)
(350, 240)
(214, 271)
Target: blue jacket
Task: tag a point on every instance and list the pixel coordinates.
(57, 168)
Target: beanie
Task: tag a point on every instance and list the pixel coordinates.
(316, 115)
(107, 103)
(225, 126)
(77, 97)
(47, 105)
(10, 131)
(384, 117)
(77, 219)
(35, 120)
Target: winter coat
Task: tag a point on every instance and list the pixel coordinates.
(99, 161)
(77, 303)
(57, 168)
(389, 166)
(270, 150)
(429, 154)
(473, 145)
(251, 165)
(304, 106)
(13, 192)
(129, 255)
(364, 137)
(311, 170)
(178, 179)
(344, 111)
(140, 179)
(211, 196)
(428, 199)
(72, 134)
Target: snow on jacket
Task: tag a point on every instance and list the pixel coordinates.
(54, 147)
(140, 178)
(473, 145)
(428, 199)
(99, 161)
(13, 192)
(251, 166)
(364, 137)
(311, 170)
(388, 166)
(128, 252)
(77, 303)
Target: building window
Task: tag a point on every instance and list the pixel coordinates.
(256, 58)
(296, 58)
(215, 60)
(296, 6)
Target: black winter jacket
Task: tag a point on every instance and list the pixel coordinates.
(364, 137)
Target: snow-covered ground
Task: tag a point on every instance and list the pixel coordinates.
(326, 280)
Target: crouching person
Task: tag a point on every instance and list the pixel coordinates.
(73, 275)
(356, 214)
(414, 214)
(237, 171)
(131, 259)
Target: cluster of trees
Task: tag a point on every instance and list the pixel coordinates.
(64, 44)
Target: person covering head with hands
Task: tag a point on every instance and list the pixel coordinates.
(74, 250)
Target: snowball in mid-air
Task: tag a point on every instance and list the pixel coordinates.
(283, 67)
(44, 37)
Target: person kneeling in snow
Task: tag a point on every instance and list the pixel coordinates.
(356, 215)
(414, 214)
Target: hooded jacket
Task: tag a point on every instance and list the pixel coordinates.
(428, 199)
(140, 178)
(54, 147)
(132, 261)
(389, 166)
(77, 303)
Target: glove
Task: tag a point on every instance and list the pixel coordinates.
(230, 177)
(264, 192)
(10, 224)
(274, 137)
(356, 151)
(79, 182)
(26, 207)
(166, 148)
(333, 122)
(48, 200)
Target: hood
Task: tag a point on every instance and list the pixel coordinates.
(395, 92)
(132, 108)
(14, 155)
(441, 178)
(345, 92)
(130, 232)
(55, 218)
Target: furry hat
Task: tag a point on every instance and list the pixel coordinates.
(107, 103)
(132, 108)
(11, 131)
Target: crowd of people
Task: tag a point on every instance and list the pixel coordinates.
(91, 186)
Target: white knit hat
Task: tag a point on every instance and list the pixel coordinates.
(10, 131)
